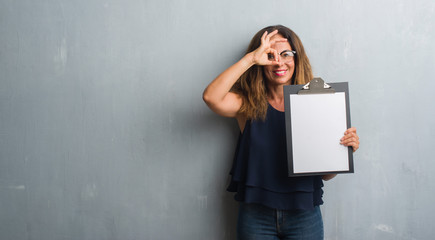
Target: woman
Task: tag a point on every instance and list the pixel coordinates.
(272, 205)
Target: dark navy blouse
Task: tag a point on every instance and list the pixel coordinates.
(260, 174)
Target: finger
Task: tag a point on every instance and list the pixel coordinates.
(263, 37)
(348, 141)
(275, 55)
(277, 40)
(355, 148)
(349, 130)
(270, 35)
(349, 135)
(354, 145)
(350, 144)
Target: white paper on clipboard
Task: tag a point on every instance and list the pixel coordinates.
(318, 122)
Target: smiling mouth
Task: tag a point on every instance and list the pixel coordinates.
(280, 72)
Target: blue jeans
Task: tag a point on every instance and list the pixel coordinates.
(259, 222)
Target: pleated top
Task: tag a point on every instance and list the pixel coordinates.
(260, 174)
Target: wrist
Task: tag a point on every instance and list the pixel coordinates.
(248, 60)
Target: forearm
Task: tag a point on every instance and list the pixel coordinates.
(328, 177)
(222, 84)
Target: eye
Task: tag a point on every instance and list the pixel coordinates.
(270, 56)
(287, 54)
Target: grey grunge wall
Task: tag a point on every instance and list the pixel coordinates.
(104, 135)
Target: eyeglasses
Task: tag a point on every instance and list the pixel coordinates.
(285, 56)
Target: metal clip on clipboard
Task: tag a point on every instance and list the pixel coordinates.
(316, 86)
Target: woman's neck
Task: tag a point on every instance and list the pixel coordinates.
(275, 96)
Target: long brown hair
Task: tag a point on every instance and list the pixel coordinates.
(251, 85)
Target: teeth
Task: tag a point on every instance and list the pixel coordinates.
(280, 72)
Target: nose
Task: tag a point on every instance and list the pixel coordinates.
(281, 62)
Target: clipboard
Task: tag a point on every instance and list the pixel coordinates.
(316, 116)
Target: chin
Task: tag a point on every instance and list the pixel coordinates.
(282, 81)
